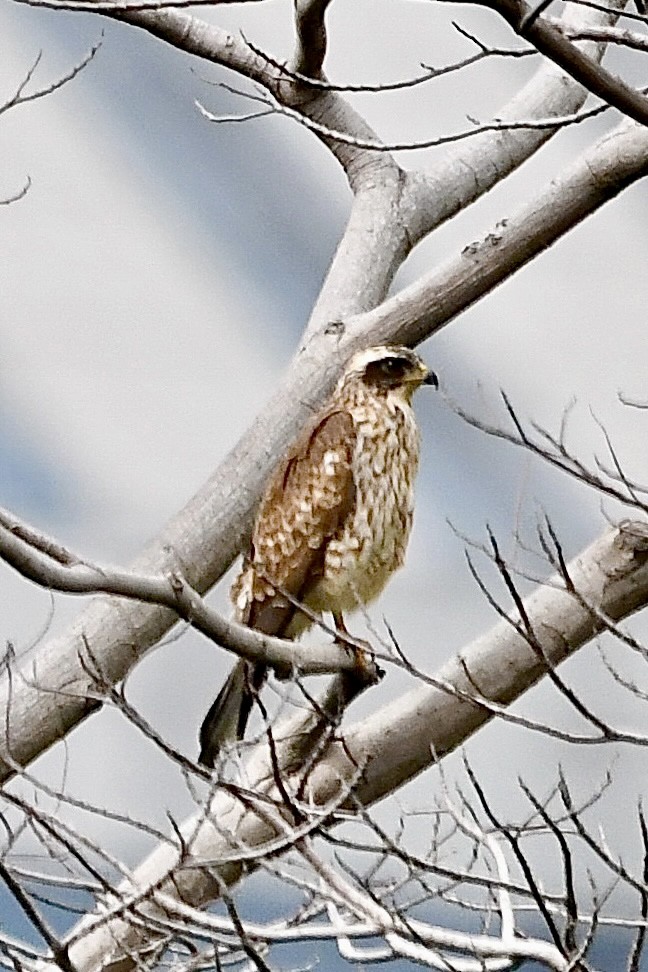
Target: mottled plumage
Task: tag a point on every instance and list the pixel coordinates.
(334, 520)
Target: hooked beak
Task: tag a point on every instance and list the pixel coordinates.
(431, 379)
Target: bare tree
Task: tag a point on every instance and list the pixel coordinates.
(459, 886)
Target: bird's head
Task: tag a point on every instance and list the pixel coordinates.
(389, 368)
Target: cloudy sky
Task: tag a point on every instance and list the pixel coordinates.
(155, 279)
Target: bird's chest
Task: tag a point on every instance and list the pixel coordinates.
(360, 560)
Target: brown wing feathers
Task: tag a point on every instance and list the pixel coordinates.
(305, 504)
(307, 500)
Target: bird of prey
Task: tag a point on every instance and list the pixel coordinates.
(334, 520)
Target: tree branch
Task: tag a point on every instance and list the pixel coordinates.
(551, 42)
(203, 539)
(310, 49)
(600, 174)
(606, 35)
(612, 573)
(390, 213)
(49, 565)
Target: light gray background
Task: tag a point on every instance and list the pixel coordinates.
(153, 283)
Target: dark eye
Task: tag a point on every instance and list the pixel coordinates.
(393, 367)
(387, 372)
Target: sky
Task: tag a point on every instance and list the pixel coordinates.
(153, 283)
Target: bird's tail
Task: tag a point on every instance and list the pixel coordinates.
(229, 713)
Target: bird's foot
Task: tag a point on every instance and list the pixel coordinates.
(366, 669)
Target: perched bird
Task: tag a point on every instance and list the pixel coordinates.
(334, 520)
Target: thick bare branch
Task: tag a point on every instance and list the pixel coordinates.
(310, 48)
(612, 573)
(601, 173)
